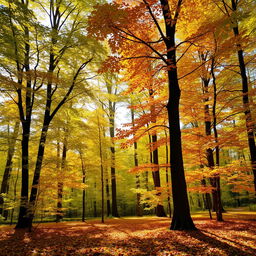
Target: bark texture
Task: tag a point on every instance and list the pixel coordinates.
(181, 214)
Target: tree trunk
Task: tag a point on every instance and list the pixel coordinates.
(219, 207)
(94, 202)
(101, 172)
(25, 118)
(107, 183)
(23, 218)
(8, 165)
(26, 218)
(95, 209)
(102, 188)
(113, 170)
(37, 172)
(58, 173)
(207, 199)
(155, 171)
(156, 178)
(181, 213)
(209, 152)
(167, 178)
(59, 216)
(15, 193)
(84, 182)
(108, 195)
(112, 109)
(136, 164)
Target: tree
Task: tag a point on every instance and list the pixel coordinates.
(136, 164)
(120, 30)
(231, 11)
(24, 50)
(101, 168)
(8, 165)
(112, 91)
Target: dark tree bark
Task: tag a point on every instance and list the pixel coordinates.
(39, 161)
(181, 215)
(8, 166)
(25, 106)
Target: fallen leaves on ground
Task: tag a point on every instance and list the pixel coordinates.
(146, 236)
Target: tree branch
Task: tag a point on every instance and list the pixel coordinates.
(155, 20)
(70, 89)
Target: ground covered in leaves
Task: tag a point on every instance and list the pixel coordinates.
(146, 236)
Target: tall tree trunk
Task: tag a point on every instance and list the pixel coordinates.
(205, 78)
(136, 163)
(59, 215)
(181, 214)
(156, 178)
(113, 159)
(155, 172)
(106, 174)
(22, 219)
(8, 165)
(84, 182)
(108, 195)
(245, 97)
(209, 151)
(167, 177)
(37, 172)
(94, 202)
(101, 171)
(25, 118)
(14, 193)
(217, 150)
(58, 173)
(25, 217)
(151, 161)
(208, 126)
(113, 182)
(207, 198)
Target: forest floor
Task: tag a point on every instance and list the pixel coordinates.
(145, 236)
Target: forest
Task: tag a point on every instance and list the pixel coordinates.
(127, 127)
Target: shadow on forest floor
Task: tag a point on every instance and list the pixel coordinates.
(141, 237)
